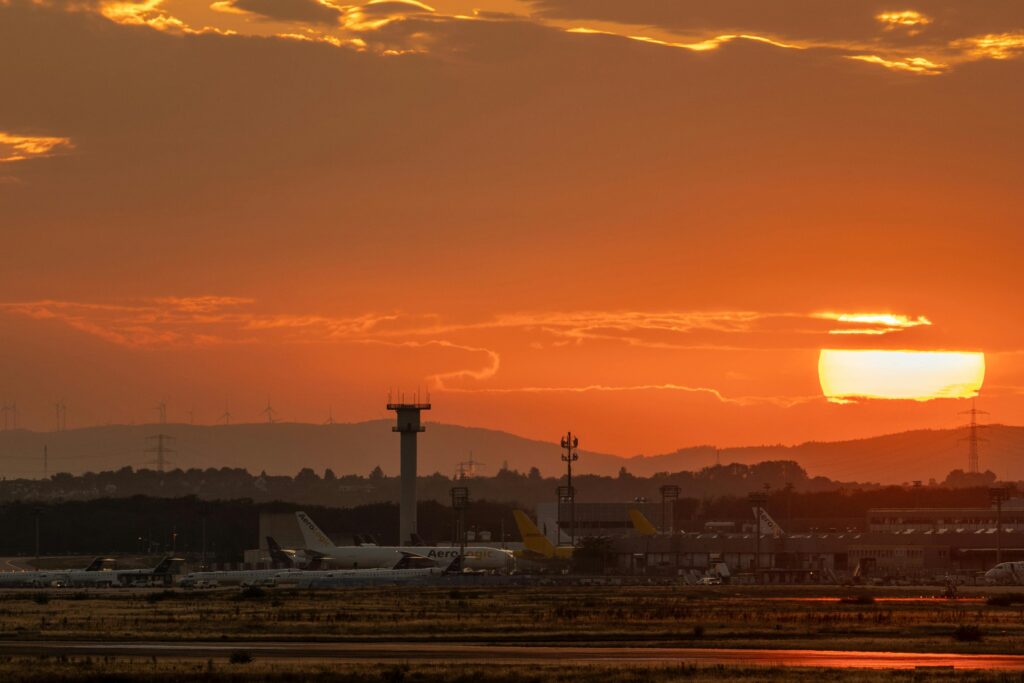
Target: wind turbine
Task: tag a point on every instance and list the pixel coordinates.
(62, 415)
(226, 417)
(269, 412)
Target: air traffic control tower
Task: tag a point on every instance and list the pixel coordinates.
(408, 426)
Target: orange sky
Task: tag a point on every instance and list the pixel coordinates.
(627, 218)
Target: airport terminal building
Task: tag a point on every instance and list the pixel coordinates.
(896, 543)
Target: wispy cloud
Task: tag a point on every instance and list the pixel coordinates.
(14, 147)
(873, 323)
(903, 19)
(703, 45)
(152, 14)
(917, 65)
(781, 401)
(479, 345)
(993, 45)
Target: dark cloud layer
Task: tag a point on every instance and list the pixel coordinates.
(290, 10)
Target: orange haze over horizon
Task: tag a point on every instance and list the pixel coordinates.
(656, 224)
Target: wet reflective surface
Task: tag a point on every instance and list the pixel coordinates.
(449, 652)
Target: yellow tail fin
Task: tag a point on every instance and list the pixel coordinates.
(641, 523)
(533, 539)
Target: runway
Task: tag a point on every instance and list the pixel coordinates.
(510, 654)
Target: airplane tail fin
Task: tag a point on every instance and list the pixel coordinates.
(95, 565)
(277, 554)
(315, 561)
(533, 539)
(455, 566)
(640, 522)
(311, 534)
(166, 565)
(768, 526)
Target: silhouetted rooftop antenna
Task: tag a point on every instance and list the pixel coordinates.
(972, 437)
(567, 494)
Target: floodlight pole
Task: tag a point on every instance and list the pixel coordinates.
(669, 492)
(998, 495)
(460, 501)
(758, 500)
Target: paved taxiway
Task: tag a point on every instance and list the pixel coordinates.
(482, 654)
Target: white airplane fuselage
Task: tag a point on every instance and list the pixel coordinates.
(328, 578)
(241, 577)
(1011, 573)
(387, 557)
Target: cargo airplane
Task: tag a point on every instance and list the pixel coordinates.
(378, 556)
(537, 545)
(93, 575)
(348, 577)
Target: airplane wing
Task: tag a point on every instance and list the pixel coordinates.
(414, 561)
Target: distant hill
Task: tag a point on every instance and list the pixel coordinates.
(888, 459)
(284, 448)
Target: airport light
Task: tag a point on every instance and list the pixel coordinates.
(757, 500)
(566, 495)
(998, 494)
(669, 492)
(460, 502)
(38, 511)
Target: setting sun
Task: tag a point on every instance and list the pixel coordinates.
(911, 375)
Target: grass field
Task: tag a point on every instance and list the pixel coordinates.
(746, 617)
(817, 618)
